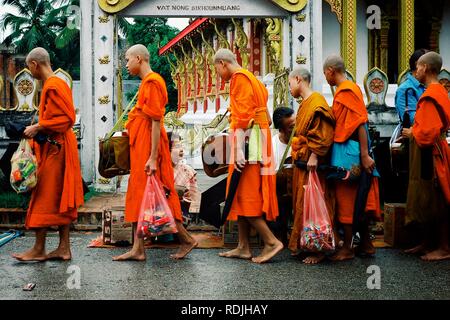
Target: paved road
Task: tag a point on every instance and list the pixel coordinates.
(204, 275)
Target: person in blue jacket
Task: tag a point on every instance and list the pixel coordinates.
(409, 92)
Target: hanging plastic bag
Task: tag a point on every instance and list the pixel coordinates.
(155, 217)
(317, 234)
(23, 176)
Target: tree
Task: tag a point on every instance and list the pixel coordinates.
(154, 33)
(44, 23)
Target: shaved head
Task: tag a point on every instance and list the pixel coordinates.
(139, 50)
(39, 55)
(433, 61)
(225, 55)
(301, 73)
(335, 62)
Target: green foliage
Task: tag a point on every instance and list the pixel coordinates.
(45, 23)
(154, 33)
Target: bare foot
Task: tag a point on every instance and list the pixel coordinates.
(60, 254)
(343, 254)
(31, 255)
(269, 252)
(436, 255)
(184, 250)
(314, 259)
(295, 253)
(237, 254)
(420, 249)
(131, 256)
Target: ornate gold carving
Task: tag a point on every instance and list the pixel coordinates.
(199, 66)
(300, 17)
(406, 33)
(104, 60)
(348, 37)
(25, 87)
(103, 19)
(242, 42)
(114, 6)
(104, 99)
(209, 54)
(1, 92)
(189, 70)
(337, 8)
(65, 76)
(274, 39)
(222, 38)
(291, 5)
(301, 59)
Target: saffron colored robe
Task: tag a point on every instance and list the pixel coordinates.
(152, 100)
(256, 192)
(59, 190)
(350, 113)
(314, 133)
(429, 187)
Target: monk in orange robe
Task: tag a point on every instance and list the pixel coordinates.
(59, 190)
(256, 192)
(351, 118)
(428, 200)
(149, 151)
(314, 133)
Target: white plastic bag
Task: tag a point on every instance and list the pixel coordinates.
(23, 176)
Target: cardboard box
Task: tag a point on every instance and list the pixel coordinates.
(114, 227)
(394, 224)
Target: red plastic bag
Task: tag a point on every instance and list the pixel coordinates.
(155, 217)
(317, 234)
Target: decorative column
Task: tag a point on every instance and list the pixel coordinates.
(348, 35)
(406, 33)
(104, 84)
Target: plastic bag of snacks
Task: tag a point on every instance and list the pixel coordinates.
(23, 168)
(317, 234)
(155, 218)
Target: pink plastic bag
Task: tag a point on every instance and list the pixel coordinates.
(155, 217)
(317, 234)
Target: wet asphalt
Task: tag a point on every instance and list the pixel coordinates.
(205, 275)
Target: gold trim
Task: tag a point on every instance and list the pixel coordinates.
(291, 5)
(406, 33)
(64, 72)
(399, 80)
(348, 35)
(300, 17)
(114, 6)
(336, 7)
(2, 83)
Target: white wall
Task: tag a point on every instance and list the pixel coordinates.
(362, 42)
(331, 32)
(444, 39)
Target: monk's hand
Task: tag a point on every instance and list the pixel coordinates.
(150, 167)
(368, 163)
(31, 131)
(407, 133)
(312, 162)
(239, 163)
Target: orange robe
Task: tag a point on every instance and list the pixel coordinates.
(151, 104)
(350, 113)
(314, 133)
(59, 190)
(428, 197)
(256, 193)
